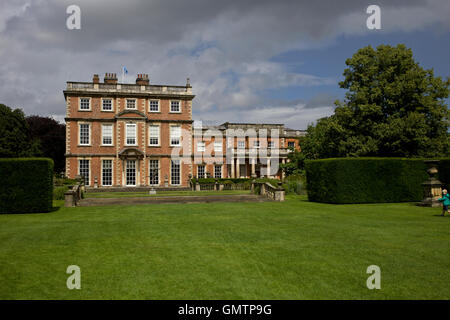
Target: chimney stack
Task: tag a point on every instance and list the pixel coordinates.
(142, 79)
(110, 78)
(96, 79)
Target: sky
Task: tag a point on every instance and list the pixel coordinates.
(248, 61)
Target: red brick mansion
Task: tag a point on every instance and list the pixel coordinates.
(142, 134)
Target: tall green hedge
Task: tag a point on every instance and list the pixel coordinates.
(26, 185)
(444, 172)
(365, 180)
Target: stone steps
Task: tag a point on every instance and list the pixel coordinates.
(170, 199)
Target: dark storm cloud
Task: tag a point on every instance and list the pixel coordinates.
(167, 39)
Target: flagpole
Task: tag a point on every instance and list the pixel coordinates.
(122, 73)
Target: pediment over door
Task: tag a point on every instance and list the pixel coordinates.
(130, 114)
(131, 154)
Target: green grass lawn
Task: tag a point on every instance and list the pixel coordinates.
(269, 250)
(161, 193)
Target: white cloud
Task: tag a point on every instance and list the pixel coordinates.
(224, 47)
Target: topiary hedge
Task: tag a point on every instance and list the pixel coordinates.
(365, 180)
(444, 172)
(26, 185)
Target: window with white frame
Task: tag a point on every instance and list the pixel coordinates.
(154, 135)
(256, 144)
(131, 134)
(85, 134)
(107, 134)
(85, 104)
(107, 172)
(175, 106)
(241, 144)
(200, 146)
(107, 105)
(201, 172)
(83, 170)
(218, 146)
(175, 172)
(153, 105)
(271, 144)
(131, 104)
(154, 172)
(291, 144)
(217, 171)
(175, 135)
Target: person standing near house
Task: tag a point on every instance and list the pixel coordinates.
(445, 201)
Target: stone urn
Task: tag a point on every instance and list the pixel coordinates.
(432, 187)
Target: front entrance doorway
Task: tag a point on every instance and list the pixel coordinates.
(131, 173)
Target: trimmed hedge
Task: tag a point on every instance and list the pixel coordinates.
(26, 185)
(365, 180)
(444, 172)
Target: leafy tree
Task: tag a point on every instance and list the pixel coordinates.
(393, 108)
(52, 137)
(15, 138)
(294, 164)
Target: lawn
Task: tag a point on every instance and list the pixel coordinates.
(254, 250)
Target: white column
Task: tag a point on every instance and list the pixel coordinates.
(253, 167)
(232, 168)
(268, 167)
(283, 161)
(238, 171)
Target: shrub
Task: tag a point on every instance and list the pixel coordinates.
(221, 180)
(365, 180)
(26, 185)
(58, 192)
(294, 184)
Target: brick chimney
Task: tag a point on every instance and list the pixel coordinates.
(95, 79)
(110, 78)
(142, 79)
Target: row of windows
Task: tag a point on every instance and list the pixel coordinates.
(107, 105)
(154, 137)
(201, 171)
(130, 135)
(130, 172)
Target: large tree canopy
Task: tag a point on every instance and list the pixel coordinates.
(52, 137)
(393, 108)
(15, 137)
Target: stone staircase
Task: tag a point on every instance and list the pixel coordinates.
(171, 199)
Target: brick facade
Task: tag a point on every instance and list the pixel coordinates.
(120, 135)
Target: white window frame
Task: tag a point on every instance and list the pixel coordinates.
(221, 171)
(218, 146)
(135, 104)
(87, 183)
(170, 136)
(112, 105)
(293, 142)
(256, 144)
(150, 136)
(89, 133)
(241, 144)
(159, 172)
(79, 104)
(135, 134)
(149, 102)
(179, 106)
(201, 146)
(112, 172)
(180, 173)
(198, 171)
(112, 134)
